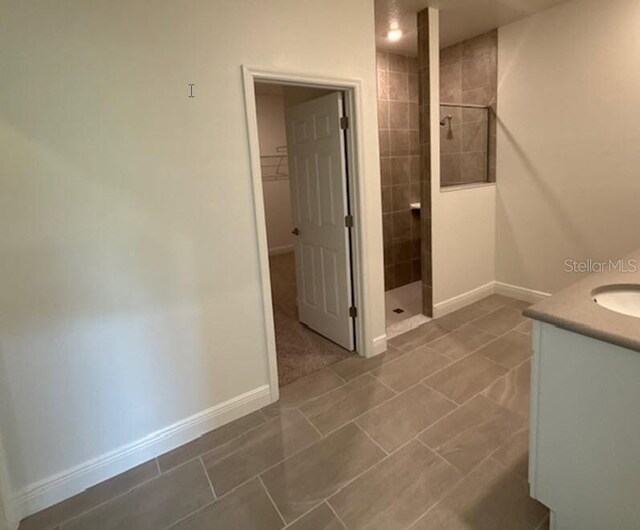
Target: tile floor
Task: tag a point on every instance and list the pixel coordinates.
(430, 435)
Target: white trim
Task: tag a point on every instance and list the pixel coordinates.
(520, 293)
(352, 88)
(380, 344)
(72, 481)
(458, 302)
(261, 228)
(513, 291)
(285, 249)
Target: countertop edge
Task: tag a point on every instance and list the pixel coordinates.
(587, 331)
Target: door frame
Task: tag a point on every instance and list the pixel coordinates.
(352, 90)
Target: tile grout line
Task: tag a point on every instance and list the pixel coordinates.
(371, 438)
(200, 455)
(395, 392)
(436, 453)
(206, 474)
(264, 487)
(496, 337)
(89, 510)
(423, 383)
(352, 420)
(336, 514)
(191, 514)
(294, 521)
(453, 486)
(311, 423)
(480, 393)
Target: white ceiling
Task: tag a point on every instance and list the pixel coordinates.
(459, 19)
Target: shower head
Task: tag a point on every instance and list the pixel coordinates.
(444, 120)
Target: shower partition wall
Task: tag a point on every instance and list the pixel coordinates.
(465, 144)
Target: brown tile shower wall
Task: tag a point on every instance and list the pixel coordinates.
(469, 74)
(424, 93)
(400, 167)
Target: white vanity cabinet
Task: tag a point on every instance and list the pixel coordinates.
(584, 461)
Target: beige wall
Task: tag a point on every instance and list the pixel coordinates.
(463, 219)
(568, 140)
(6, 502)
(129, 280)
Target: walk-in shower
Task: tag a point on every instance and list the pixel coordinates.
(465, 143)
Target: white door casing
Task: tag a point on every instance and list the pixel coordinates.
(319, 204)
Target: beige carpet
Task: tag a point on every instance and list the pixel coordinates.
(300, 350)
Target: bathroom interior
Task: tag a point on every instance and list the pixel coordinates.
(494, 380)
(468, 116)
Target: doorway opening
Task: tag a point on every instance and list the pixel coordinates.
(308, 216)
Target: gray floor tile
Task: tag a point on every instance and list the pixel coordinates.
(248, 507)
(320, 518)
(398, 420)
(357, 365)
(525, 327)
(489, 498)
(209, 441)
(472, 432)
(308, 387)
(411, 368)
(419, 336)
(501, 320)
(520, 304)
(396, 491)
(252, 453)
(509, 350)
(463, 316)
(513, 390)
(91, 498)
(156, 504)
(466, 378)
(461, 342)
(495, 301)
(362, 381)
(514, 454)
(306, 479)
(332, 410)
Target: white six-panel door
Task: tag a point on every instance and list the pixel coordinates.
(319, 204)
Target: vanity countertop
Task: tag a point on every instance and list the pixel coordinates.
(574, 309)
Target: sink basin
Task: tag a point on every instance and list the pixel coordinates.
(621, 298)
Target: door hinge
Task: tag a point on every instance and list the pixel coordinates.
(353, 312)
(348, 221)
(344, 122)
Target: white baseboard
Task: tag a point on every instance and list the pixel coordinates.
(458, 302)
(70, 482)
(275, 251)
(520, 293)
(379, 345)
(513, 291)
